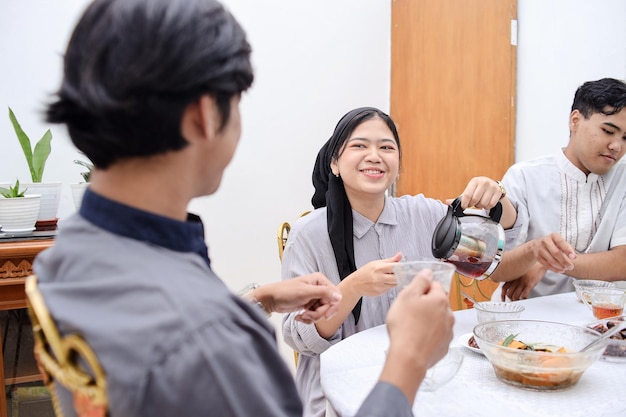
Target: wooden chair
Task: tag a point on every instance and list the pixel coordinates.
(478, 290)
(66, 361)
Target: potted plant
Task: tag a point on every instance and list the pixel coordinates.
(18, 210)
(79, 189)
(36, 158)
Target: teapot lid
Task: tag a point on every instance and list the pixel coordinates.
(447, 234)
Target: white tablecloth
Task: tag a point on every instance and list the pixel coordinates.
(350, 369)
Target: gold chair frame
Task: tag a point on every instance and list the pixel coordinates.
(62, 360)
(283, 234)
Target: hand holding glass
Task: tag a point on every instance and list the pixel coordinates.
(442, 272)
(406, 271)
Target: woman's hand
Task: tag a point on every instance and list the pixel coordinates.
(375, 278)
(484, 193)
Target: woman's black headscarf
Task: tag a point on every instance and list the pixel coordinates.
(330, 192)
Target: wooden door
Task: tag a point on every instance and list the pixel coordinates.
(453, 66)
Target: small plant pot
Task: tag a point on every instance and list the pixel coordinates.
(77, 192)
(50, 193)
(19, 215)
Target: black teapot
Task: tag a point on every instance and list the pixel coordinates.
(472, 242)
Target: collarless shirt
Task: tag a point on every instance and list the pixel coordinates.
(554, 195)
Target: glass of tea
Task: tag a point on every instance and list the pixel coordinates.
(406, 271)
(605, 302)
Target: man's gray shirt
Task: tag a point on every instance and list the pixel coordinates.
(171, 337)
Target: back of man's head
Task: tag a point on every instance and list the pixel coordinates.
(607, 96)
(133, 66)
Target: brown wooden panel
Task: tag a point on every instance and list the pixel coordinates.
(452, 92)
(453, 98)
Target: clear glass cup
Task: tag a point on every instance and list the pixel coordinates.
(605, 302)
(406, 271)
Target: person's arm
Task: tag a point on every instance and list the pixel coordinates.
(515, 263)
(372, 279)
(228, 367)
(609, 265)
(420, 324)
(299, 259)
(313, 296)
(520, 268)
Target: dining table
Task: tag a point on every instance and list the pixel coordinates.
(351, 367)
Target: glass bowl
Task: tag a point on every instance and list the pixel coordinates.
(616, 348)
(491, 311)
(538, 370)
(581, 285)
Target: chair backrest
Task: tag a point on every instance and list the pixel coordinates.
(65, 360)
(283, 234)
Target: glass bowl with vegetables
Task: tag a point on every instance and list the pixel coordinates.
(538, 355)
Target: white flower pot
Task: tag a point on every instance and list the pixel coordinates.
(77, 193)
(19, 214)
(50, 197)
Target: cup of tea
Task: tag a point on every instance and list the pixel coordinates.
(605, 302)
(588, 284)
(406, 271)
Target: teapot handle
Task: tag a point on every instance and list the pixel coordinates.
(494, 214)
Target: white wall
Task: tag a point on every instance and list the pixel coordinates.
(314, 60)
(562, 44)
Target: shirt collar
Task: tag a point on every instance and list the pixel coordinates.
(362, 224)
(133, 223)
(572, 170)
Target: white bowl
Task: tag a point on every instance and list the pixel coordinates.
(493, 310)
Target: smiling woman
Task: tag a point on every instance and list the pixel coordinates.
(358, 233)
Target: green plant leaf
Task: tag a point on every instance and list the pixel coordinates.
(12, 192)
(24, 142)
(40, 155)
(86, 175)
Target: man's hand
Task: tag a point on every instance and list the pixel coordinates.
(520, 288)
(419, 323)
(554, 253)
(314, 294)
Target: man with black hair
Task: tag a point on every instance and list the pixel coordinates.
(573, 204)
(150, 94)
